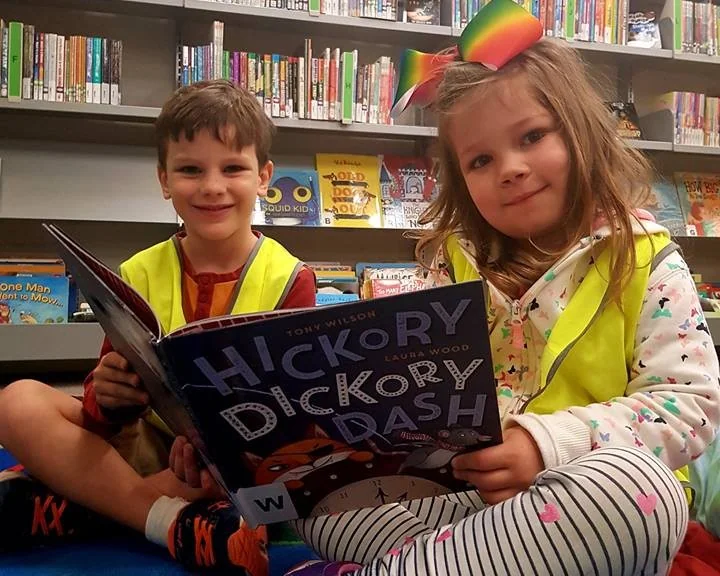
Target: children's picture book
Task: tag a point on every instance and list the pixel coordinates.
(628, 123)
(349, 190)
(300, 413)
(292, 198)
(700, 199)
(34, 299)
(407, 186)
(664, 205)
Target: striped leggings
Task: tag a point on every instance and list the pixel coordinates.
(613, 511)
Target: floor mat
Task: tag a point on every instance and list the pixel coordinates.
(126, 556)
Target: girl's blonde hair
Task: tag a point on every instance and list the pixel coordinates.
(606, 177)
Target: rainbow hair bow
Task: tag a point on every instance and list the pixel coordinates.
(501, 30)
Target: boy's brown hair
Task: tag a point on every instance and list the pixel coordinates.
(215, 105)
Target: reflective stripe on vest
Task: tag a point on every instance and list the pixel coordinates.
(263, 285)
(589, 354)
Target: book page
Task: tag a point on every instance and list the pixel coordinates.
(129, 335)
(121, 290)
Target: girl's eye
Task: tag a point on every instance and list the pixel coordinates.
(533, 136)
(480, 161)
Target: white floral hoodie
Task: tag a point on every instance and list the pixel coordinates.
(672, 401)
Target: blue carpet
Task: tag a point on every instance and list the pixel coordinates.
(125, 556)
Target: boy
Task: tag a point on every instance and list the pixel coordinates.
(213, 142)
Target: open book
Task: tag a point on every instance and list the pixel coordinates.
(300, 413)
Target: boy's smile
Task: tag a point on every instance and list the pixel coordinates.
(514, 160)
(213, 187)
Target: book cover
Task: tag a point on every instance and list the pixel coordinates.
(305, 412)
(292, 198)
(664, 204)
(407, 187)
(628, 123)
(327, 408)
(700, 200)
(34, 299)
(349, 190)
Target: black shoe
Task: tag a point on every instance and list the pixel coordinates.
(32, 515)
(210, 535)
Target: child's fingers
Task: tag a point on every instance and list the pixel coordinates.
(192, 473)
(110, 374)
(492, 498)
(487, 481)
(177, 462)
(121, 393)
(210, 486)
(115, 360)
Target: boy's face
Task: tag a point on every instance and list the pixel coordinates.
(213, 187)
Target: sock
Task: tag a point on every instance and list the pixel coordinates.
(162, 513)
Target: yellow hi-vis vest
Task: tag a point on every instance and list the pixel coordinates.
(156, 273)
(589, 355)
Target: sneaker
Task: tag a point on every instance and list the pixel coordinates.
(210, 534)
(32, 515)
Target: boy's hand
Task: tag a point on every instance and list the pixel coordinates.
(116, 385)
(500, 472)
(184, 465)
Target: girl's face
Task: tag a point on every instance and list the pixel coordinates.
(514, 160)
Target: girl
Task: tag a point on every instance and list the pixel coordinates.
(607, 377)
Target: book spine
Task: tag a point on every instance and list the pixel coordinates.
(15, 51)
(60, 69)
(28, 58)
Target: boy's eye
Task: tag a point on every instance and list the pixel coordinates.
(533, 136)
(234, 168)
(480, 161)
(188, 169)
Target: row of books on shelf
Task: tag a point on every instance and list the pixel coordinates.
(697, 119)
(685, 118)
(327, 85)
(350, 190)
(699, 27)
(417, 11)
(40, 291)
(37, 65)
(338, 283)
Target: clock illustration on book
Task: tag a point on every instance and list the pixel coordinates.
(377, 491)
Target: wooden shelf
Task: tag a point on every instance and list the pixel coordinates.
(100, 111)
(650, 145)
(82, 341)
(699, 58)
(147, 114)
(357, 128)
(50, 342)
(367, 29)
(687, 149)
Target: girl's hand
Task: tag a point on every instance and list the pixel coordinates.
(500, 472)
(184, 465)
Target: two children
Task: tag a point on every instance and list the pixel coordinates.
(110, 453)
(607, 376)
